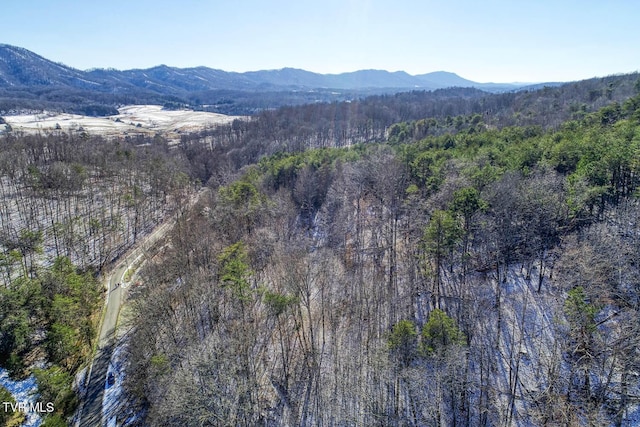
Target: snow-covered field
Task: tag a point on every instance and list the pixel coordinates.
(132, 120)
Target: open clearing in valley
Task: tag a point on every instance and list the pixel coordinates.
(132, 120)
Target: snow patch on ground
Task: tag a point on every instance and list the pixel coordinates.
(531, 346)
(25, 392)
(528, 341)
(112, 400)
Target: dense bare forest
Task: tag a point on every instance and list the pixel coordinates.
(445, 258)
(72, 204)
(484, 276)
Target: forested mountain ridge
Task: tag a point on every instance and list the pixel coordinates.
(410, 116)
(20, 67)
(29, 81)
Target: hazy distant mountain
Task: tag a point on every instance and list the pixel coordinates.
(31, 82)
(20, 67)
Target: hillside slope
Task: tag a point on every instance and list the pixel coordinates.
(29, 81)
(20, 67)
(479, 276)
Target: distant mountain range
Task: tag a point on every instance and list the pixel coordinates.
(21, 67)
(31, 80)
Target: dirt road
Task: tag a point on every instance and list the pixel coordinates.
(91, 411)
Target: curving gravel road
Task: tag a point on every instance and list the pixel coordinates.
(91, 410)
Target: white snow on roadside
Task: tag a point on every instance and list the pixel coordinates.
(24, 392)
(112, 403)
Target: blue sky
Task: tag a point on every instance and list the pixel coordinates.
(482, 40)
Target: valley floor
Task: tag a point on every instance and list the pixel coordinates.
(132, 120)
